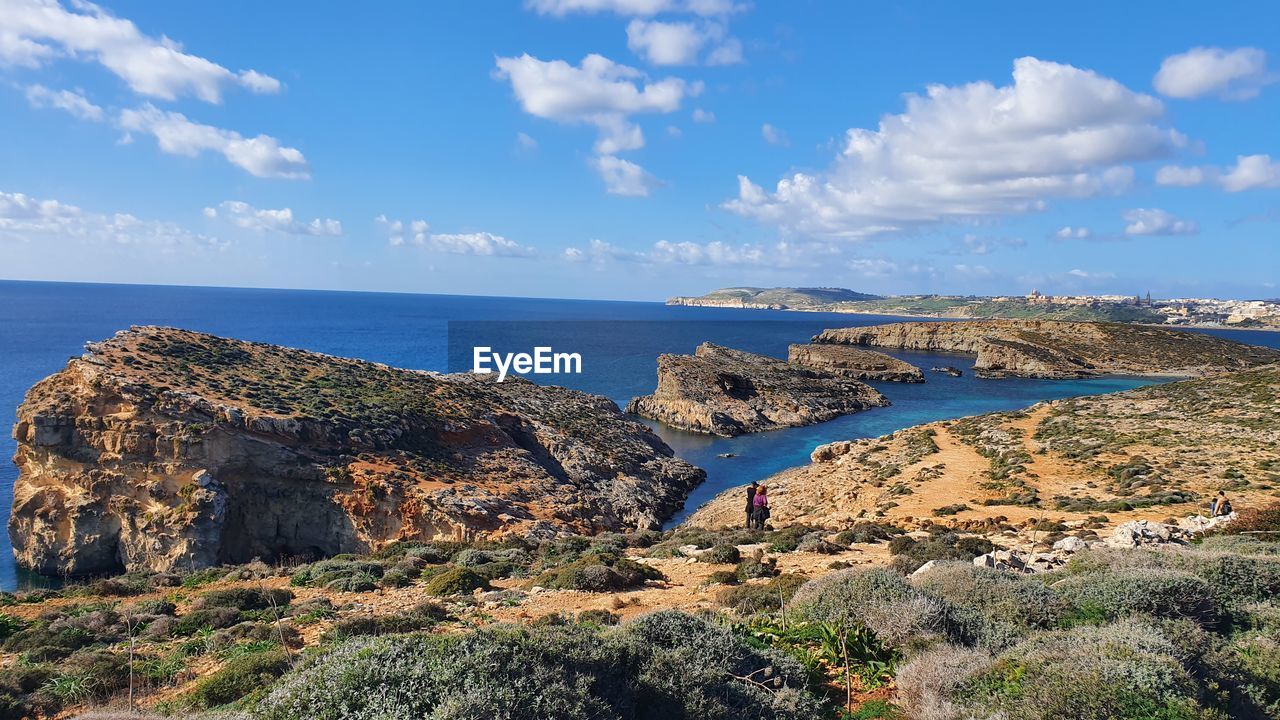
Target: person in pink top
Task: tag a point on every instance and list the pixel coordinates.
(760, 504)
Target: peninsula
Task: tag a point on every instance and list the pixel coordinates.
(162, 448)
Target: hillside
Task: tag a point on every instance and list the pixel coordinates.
(1055, 349)
(165, 448)
(1162, 450)
(773, 298)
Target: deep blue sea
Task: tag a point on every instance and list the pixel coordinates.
(44, 324)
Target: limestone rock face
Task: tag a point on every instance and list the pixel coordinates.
(854, 362)
(1057, 349)
(728, 392)
(163, 449)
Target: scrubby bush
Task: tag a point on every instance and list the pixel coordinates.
(928, 684)
(237, 678)
(867, 532)
(666, 665)
(911, 553)
(755, 598)
(877, 599)
(1126, 671)
(599, 572)
(989, 607)
(244, 599)
(455, 581)
(343, 573)
(420, 617)
(603, 618)
(722, 554)
(1159, 593)
(756, 567)
(213, 618)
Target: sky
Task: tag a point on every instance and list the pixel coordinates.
(636, 149)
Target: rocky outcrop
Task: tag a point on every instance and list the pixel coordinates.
(728, 392)
(162, 449)
(854, 362)
(779, 298)
(1054, 349)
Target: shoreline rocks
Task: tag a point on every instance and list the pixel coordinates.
(727, 392)
(854, 362)
(1063, 350)
(164, 448)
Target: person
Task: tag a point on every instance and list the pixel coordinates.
(751, 508)
(1213, 506)
(1224, 506)
(761, 507)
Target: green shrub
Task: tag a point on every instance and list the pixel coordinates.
(455, 581)
(603, 618)
(244, 599)
(877, 599)
(340, 573)
(722, 554)
(213, 618)
(1121, 593)
(756, 567)
(1126, 671)
(910, 554)
(10, 625)
(992, 608)
(237, 678)
(867, 532)
(761, 597)
(599, 573)
(665, 665)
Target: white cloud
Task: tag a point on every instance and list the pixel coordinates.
(773, 135)
(28, 219)
(972, 271)
(597, 92)
(525, 142)
(714, 253)
(1252, 171)
(262, 156)
(71, 101)
(970, 151)
(623, 177)
(680, 43)
(416, 233)
(635, 8)
(1230, 74)
(675, 132)
(1153, 221)
(1180, 176)
(244, 215)
(703, 116)
(972, 244)
(1068, 232)
(874, 267)
(34, 31)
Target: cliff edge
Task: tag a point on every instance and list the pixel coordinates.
(164, 448)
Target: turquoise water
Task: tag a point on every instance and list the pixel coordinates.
(43, 324)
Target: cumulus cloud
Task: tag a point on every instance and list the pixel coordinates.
(416, 232)
(597, 92)
(714, 253)
(244, 215)
(262, 156)
(703, 116)
(634, 8)
(1229, 74)
(623, 177)
(972, 244)
(1068, 232)
(1153, 221)
(1252, 171)
(35, 31)
(773, 135)
(526, 143)
(28, 219)
(1179, 176)
(70, 101)
(970, 151)
(680, 43)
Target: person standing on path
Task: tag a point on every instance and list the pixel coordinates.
(751, 508)
(761, 507)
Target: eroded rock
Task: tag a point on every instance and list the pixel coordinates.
(855, 363)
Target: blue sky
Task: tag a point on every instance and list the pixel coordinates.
(634, 149)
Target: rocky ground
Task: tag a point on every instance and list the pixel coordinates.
(1053, 349)
(722, 391)
(164, 448)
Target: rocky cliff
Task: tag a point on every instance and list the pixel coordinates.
(1053, 349)
(854, 362)
(728, 392)
(163, 448)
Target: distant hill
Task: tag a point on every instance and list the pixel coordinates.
(779, 298)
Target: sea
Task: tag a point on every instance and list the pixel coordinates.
(42, 325)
